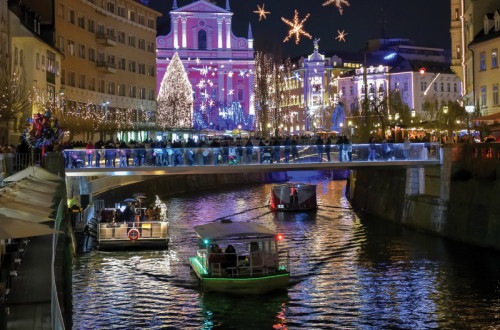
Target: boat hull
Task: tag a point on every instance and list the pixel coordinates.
(240, 285)
(143, 243)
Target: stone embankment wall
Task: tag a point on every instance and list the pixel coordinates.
(459, 200)
(176, 184)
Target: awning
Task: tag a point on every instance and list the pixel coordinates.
(22, 215)
(493, 117)
(15, 228)
(31, 207)
(33, 171)
(233, 229)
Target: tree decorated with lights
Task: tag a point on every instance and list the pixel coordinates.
(175, 99)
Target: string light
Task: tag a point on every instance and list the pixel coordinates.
(296, 27)
(261, 12)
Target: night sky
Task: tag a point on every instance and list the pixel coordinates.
(425, 21)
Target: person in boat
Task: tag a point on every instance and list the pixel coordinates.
(231, 257)
(256, 254)
(216, 256)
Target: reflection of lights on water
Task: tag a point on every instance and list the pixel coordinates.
(163, 209)
(282, 318)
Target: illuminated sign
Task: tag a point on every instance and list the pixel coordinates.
(422, 71)
(390, 56)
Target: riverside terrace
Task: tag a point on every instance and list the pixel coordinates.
(165, 161)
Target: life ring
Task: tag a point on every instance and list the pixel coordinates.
(133, 234)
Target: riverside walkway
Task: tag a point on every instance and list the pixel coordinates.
(171, 161)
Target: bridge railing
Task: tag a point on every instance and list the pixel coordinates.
(254, 155)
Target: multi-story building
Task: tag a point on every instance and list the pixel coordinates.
(418, 73)
(109, 54)
(34, 65)
(467, 21)
(310, 91)
(220, 66)
(485, 71)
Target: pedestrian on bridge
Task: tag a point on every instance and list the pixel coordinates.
(319, 147)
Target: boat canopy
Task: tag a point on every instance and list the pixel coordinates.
(241, 230)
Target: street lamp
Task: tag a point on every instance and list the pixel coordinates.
(239, 130)
(469, 109)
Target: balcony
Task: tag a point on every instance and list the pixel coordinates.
(106, 67)
(106, 39)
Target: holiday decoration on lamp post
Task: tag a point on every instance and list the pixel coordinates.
(175, 99)
(43, 131)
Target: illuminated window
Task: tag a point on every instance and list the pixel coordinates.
(495, 94)
(483, 96)
(202, 39)
(482, 61)
(494, 58)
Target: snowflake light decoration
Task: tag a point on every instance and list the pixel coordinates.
(197, 60)
(230, 92)
(201, 83)
(242, 72)
(296, 27)
(341, 36)
(230, 74)
(262, 12)
(338, 4)
(296, 75)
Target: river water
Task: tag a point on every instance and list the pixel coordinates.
(348, 271)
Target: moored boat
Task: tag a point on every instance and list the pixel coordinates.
(240, 258)
(293, 197)
(125, 227)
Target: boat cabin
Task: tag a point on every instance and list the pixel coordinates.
(293, 197)
(239, 250)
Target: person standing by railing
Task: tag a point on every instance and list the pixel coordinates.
(97, 151)
(328, 148)
(248, 151)
(319, 147)
(340, 144)
(89, 150)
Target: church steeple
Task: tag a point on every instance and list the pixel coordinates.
(250, 35)
(227, 5)
(174, 6)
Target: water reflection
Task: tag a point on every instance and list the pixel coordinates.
(348, 271)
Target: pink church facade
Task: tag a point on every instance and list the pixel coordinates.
(220, 66)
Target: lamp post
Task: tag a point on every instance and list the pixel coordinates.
(239, 130)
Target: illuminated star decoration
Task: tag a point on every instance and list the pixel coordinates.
(338, 4)
(341, 36)
(296, 28)
(230, 74)
(296, 75)
(242, 72)
(261, 12)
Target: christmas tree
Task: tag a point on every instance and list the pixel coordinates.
(175, 99)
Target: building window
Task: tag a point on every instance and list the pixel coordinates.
(142, 68)
(38, 61)
(151, 71)
(482, 61)
(422, 86)
(71, 16)
(43, 62)
(455, 87)
(483, 96)
(494, 58)
(71, 79)
(111, 60)
(81, 21)
(405, 86)
(131, 41)
(60, 43)
(91, 54)
(458, 52)
(151, 94)
(121, 37)
(435, 87)
(142, 20)
(71, 47)
(121, 63)
(81, 51)
(343, 90)
(142, 93)
(122, 12)
(111, 6)
(448, 87)
(442, 87)
(141, 44)
(131, 66)
(100, 86)
(81, 81)
(63, 77)
(457, 16)
(151, 23)
(111, 87)
(100, 29)
(495, 94)
(131, 15)
(131, 91)
(91, 26)
(202, 39)
(121, 89)
(151, 47)
(241, 94)
(351, 90)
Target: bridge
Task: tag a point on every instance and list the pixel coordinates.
(175, 161)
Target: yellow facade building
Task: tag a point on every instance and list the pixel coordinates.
(109, 59)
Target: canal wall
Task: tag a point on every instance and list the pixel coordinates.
(177, 184)
(457, 200)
